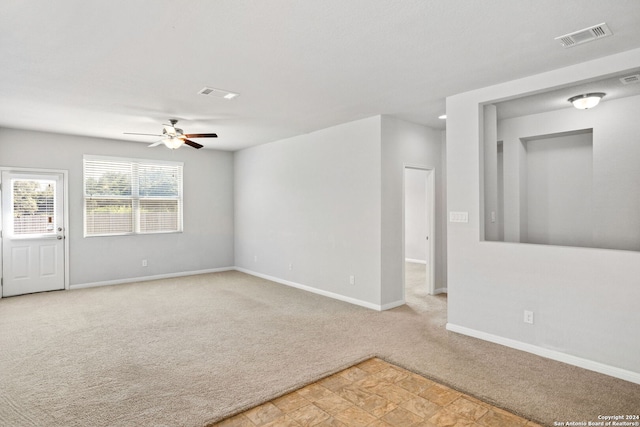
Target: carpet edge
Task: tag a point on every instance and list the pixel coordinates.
(291, 389)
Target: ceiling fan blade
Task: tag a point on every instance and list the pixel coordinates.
(192, 143)
(146, 134)
(155, 144)
(201, 135)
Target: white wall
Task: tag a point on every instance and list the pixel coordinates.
(207, 240)
(405, 143)
(584, 300)
(313, 201)
(415, 215)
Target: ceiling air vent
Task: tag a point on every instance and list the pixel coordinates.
(630, 79)
(583, 36)
(218, 93)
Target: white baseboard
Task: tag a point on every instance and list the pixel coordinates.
(416, 261)
(333, 295)
(147, 278)
(394, 304)
(602, 368)
(437, 291)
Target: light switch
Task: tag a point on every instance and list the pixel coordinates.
(458, 216)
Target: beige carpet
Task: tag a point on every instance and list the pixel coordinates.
(189, 351)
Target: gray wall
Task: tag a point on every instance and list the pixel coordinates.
(330, 204)
(559, 190)
(207, 240)
(584, 300)
(405, 143)
(490, 229)
(313, 209)
(313, 201)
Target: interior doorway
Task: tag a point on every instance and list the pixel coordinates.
(418, 231)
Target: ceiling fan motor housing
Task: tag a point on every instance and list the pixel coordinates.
(178, 132)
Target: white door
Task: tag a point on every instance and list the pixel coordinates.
(32, 232)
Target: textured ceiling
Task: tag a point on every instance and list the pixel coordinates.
(102, 68)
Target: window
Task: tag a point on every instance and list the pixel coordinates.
(131, 196)
(33, 206)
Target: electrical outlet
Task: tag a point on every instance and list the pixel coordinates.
(255, 258)
(144, 262)
(290, 266)
(528, 317)
(352, 280)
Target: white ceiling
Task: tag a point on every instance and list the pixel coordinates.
(101, 68)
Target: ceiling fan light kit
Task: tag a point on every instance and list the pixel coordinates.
(173, 143)
(174, 138)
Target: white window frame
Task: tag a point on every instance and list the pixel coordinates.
(135, 196)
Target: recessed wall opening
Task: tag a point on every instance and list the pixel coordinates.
(560, 176)
(558, 209)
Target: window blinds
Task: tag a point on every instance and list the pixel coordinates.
(129, 196)
(33, 203)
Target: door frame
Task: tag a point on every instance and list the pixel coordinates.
(65, 212)
(431, 218)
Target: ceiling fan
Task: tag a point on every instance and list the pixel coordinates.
(174, 137)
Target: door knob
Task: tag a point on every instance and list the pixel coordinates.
(59, 237)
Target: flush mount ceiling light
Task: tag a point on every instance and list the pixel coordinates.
(587, 100)
(443, 117)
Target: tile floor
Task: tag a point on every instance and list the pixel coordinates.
(375, 393)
